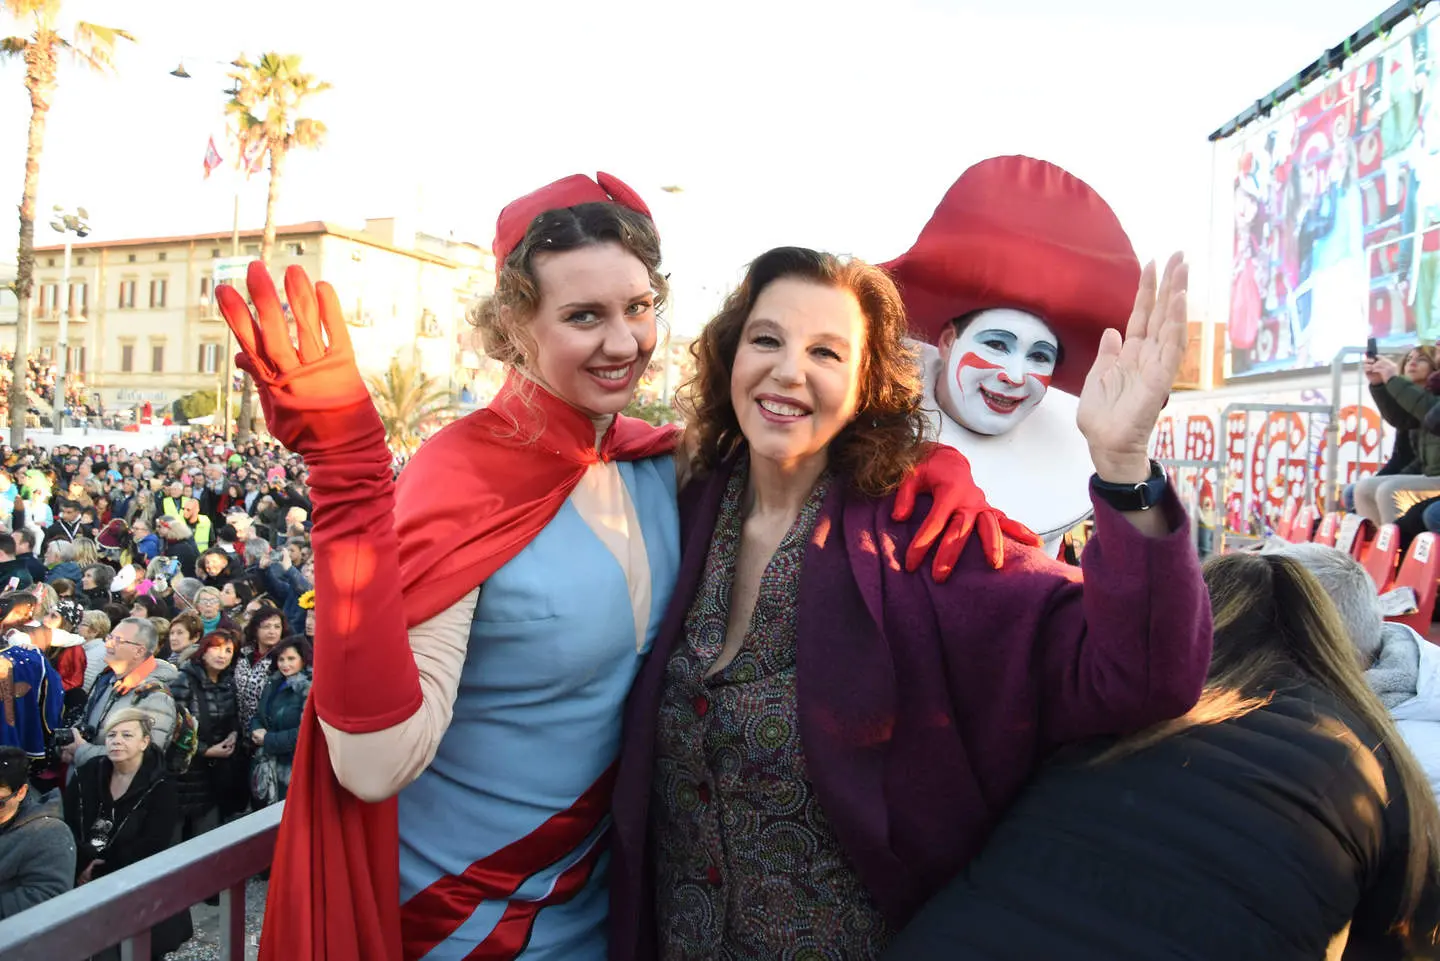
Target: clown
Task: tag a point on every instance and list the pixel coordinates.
(1010, 285)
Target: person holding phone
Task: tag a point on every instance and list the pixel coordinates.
(1412, 473)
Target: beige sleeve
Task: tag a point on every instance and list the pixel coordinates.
(379, 764)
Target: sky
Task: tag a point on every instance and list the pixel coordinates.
(834, 124)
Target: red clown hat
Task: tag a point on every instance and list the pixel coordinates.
(1024, 234)
(517, 216)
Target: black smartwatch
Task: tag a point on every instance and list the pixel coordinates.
(1133, 497)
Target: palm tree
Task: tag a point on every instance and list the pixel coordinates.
(411, 404)
(265, 106)
(92, 46)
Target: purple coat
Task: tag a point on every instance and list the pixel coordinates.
(924, 707)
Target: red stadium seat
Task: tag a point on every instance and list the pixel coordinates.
(1304, 524)
(1287, 521)
(1329, 529)
(1380, 561)
(1356, 535)
(1420, 571)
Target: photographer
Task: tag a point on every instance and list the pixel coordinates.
(133, 678)
(122, 808)
(37, 853)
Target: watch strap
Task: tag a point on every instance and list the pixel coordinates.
(1132, 497)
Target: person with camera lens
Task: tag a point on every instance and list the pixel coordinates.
(122, 807)
(133, 677)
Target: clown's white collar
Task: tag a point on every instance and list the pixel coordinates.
(1038, 473)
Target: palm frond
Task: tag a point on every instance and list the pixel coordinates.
(94, 44)
(411, 404)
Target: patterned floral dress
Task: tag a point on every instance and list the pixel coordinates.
(748, 865)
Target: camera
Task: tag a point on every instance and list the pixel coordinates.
(64, 737)
(100, 831)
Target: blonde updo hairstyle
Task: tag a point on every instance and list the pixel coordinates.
(502, 317)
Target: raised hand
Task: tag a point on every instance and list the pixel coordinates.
(312, 393)
(1131, 378)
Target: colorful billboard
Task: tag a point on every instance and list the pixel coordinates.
(1330, 201)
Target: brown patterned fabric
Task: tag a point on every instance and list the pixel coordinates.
(748, 866)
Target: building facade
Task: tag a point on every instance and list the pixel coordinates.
(144, 327)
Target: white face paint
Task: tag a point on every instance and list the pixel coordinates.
(996, 370)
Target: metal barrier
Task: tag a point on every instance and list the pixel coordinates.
(121, 908)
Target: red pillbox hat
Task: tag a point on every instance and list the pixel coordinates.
(1024, 234)
(517, 216)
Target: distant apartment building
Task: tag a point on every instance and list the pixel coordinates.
(144, 326)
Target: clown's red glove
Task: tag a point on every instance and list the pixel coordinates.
(959, 507)
(316, 404)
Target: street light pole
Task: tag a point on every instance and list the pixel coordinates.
(66, 223)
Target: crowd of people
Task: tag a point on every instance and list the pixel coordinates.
(156, 617)
(40, 379)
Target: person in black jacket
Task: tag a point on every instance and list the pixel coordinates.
(122, 808)
(179, 543)
(1417, 367)
(215, 787)
(1282, 818)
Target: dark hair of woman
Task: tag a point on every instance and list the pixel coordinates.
(883, 441)
(1274, 625)
(63, 587)
(214, 639)
(152, 607)
(116, 612)
(252, 627)
(503, 316)
(296, 643)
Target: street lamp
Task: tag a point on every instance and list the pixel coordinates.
(67, 223)
(223, 395)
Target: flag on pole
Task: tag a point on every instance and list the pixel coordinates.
(253, 157)
(212, 158)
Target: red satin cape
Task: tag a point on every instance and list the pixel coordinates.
(468, 502)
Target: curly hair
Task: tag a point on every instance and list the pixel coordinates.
(503, 316)
(883, 442)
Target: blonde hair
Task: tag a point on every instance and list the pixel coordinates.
(86, 553)
(1273, 621)
(502, 318)
(125, 716)
(97, 621)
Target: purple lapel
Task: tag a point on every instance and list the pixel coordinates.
(632, 923)
(846, 684)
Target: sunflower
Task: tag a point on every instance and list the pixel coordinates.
(307, 601)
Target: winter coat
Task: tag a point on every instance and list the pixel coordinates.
(1417, 401)
(1403, 459)
(285, 587)
(37, 856)
(279, 713)
(212, 781)
(924, 708)
(105, 698)
(69, 570)
(252, 673)
(1406, 678)
(17, 569)
(1258, 837)
(145, 820)
(186, 552)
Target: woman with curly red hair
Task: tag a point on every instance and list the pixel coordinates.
(480, 623)
(820, 739)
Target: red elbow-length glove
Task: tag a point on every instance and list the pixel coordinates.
(316, 404)
(958, 508)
